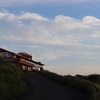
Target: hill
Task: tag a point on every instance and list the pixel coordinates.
(89, 84)
(43, 88)
(11, 83)
(46, 85)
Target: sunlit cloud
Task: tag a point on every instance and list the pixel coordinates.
(34, 30)
(62, 30)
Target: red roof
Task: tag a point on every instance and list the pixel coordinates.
(22, 53)
(25, 54)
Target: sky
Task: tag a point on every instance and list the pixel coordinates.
(62, 34)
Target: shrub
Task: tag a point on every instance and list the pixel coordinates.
(11, 84)
(87, 84)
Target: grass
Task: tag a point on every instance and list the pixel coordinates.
(89, 84)
(11, 83)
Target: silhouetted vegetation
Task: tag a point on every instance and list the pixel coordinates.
(93, 77)
(11, 84)
(89, 84)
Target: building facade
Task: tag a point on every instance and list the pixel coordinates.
(22, 60)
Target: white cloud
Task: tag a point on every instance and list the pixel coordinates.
(60, 38)
(23, 16)
(31, 16)
(91, 20)
(62, 31)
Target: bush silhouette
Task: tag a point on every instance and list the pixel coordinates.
(11, 84)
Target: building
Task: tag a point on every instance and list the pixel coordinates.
(22, 60)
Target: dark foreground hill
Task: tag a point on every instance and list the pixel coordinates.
(11, 83)
(42, 88)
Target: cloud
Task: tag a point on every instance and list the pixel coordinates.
(31, 16)
(91, 20)
(63, 33)
(62, 30)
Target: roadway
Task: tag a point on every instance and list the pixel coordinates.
(42, 88)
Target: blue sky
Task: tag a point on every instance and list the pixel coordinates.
(63, 34)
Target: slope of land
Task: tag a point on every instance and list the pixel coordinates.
(11, 81)
(42, 88)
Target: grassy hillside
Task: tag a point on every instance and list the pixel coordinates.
(88, 84)
(11, 84)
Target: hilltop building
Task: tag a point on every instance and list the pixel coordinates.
(21, 59)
